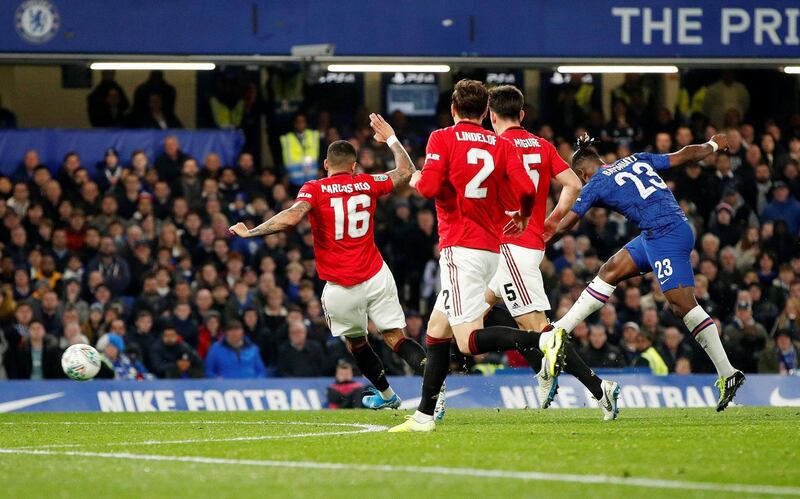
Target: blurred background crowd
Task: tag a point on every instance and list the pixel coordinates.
(133, 254)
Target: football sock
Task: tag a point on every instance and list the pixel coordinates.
(499, 316)
(435, 372)
(590, 301)
(578, 368)
(371, 367)
(500, 339)
(705, 332)
(411, 352)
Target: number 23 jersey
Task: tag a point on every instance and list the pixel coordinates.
(466, 170)
(342, 224)
(633, 187)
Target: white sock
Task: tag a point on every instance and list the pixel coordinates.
(590, 301)
(387, 394)
(705, 332)
(421, 417)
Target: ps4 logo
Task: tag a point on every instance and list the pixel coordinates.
(337, 78)
(37, 21)
(501, 78)
(403, 78)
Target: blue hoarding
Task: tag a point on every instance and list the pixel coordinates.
(511, 392)
(523, 28)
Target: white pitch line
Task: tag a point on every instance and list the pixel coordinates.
(138, 423)
(360, 428)
(436, 470)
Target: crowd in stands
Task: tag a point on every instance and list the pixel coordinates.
(138, 261)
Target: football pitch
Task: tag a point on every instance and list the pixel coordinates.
(743, 452)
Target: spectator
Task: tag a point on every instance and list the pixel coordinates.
(781, 355)
(143, 337)
(783, 207)
(107, 103)
(724, 95)
(234, 356)
(600, 353)
(683, 366)
(630, 333)
(744, 335)
(123, 366)
(172, 358)
(672, 348)
(297, 357)
(113, 268)
(38, 355)
(649, 356)
(300, 149)
(345, 393)
(155, 84)
(72, 336)
(24, 173)
(169, 163)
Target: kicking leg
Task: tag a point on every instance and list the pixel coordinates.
(706, 333)
(619, 267)
(408, 350)
(372, 369)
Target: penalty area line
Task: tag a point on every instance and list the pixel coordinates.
(434, 470)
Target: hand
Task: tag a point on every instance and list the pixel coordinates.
(722, 141)
(415, 179)
(382, 129)
(550, 227)
(517, 225)
(240, 230)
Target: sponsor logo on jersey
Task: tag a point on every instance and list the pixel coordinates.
(304, 195)
(380, 178)
(432, 156)
(37, 21)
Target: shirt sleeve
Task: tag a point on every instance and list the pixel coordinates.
(520, 180)
(381, 184)
(308, 193)
(659, 161)
(586, 199)
(557, 163)
(434, 171)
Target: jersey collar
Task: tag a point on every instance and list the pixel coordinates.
(516, 127)
(469, 122)
(339, 173)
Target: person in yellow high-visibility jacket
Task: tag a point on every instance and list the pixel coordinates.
(649, 356)
(300, 149)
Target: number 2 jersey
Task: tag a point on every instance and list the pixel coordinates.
(542, 163)
(342, 213)
(466, 170)
(633, 187)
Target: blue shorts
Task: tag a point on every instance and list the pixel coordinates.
(667, 254)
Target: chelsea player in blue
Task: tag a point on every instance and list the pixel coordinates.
(633, 187)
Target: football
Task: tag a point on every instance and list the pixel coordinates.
(81, 362)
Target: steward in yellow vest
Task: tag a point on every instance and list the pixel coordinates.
(300, 149)
(649, 356)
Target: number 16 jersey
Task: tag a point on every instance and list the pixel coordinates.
(633, 187)
(466, 169)
(342, 225)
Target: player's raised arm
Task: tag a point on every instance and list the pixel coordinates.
(571, 188)
(697, 152)
(286, 219)
(404, 166)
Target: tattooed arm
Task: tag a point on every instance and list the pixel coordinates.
(286, 219)
(404, 165)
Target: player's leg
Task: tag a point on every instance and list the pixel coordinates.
(628, 262)
(346, 312)
(383, 308)
(674, 273)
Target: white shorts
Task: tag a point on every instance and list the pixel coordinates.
(518, 280)
(465, 273)
(347, 308)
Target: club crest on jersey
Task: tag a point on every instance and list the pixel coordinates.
(37, 21)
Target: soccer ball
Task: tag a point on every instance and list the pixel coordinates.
(81, 362)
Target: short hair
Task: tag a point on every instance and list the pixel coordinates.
(506, 101)
(341, 153)
(233, 324)
(470, 98)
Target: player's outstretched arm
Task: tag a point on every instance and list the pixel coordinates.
(404, 167)
(697, 152)
(286, 219)
(569, 193)
(566, 224)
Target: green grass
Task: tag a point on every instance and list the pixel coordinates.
(758, 446)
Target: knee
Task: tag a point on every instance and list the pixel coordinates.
(356, 343)
(681, 309)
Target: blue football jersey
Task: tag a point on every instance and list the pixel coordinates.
(633, 187)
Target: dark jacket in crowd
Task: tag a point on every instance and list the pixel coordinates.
(305, 363)
(164, 360)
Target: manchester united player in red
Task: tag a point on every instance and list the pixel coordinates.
(518, 281)
(360, 286)
(466, 169)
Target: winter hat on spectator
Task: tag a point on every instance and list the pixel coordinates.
(96, 307)
(631, 325)
(117, 341)
(111, 152)
(778, 185)
(724, 206)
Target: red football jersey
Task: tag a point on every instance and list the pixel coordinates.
(542, 162)
(466, 169)
(342, 224)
